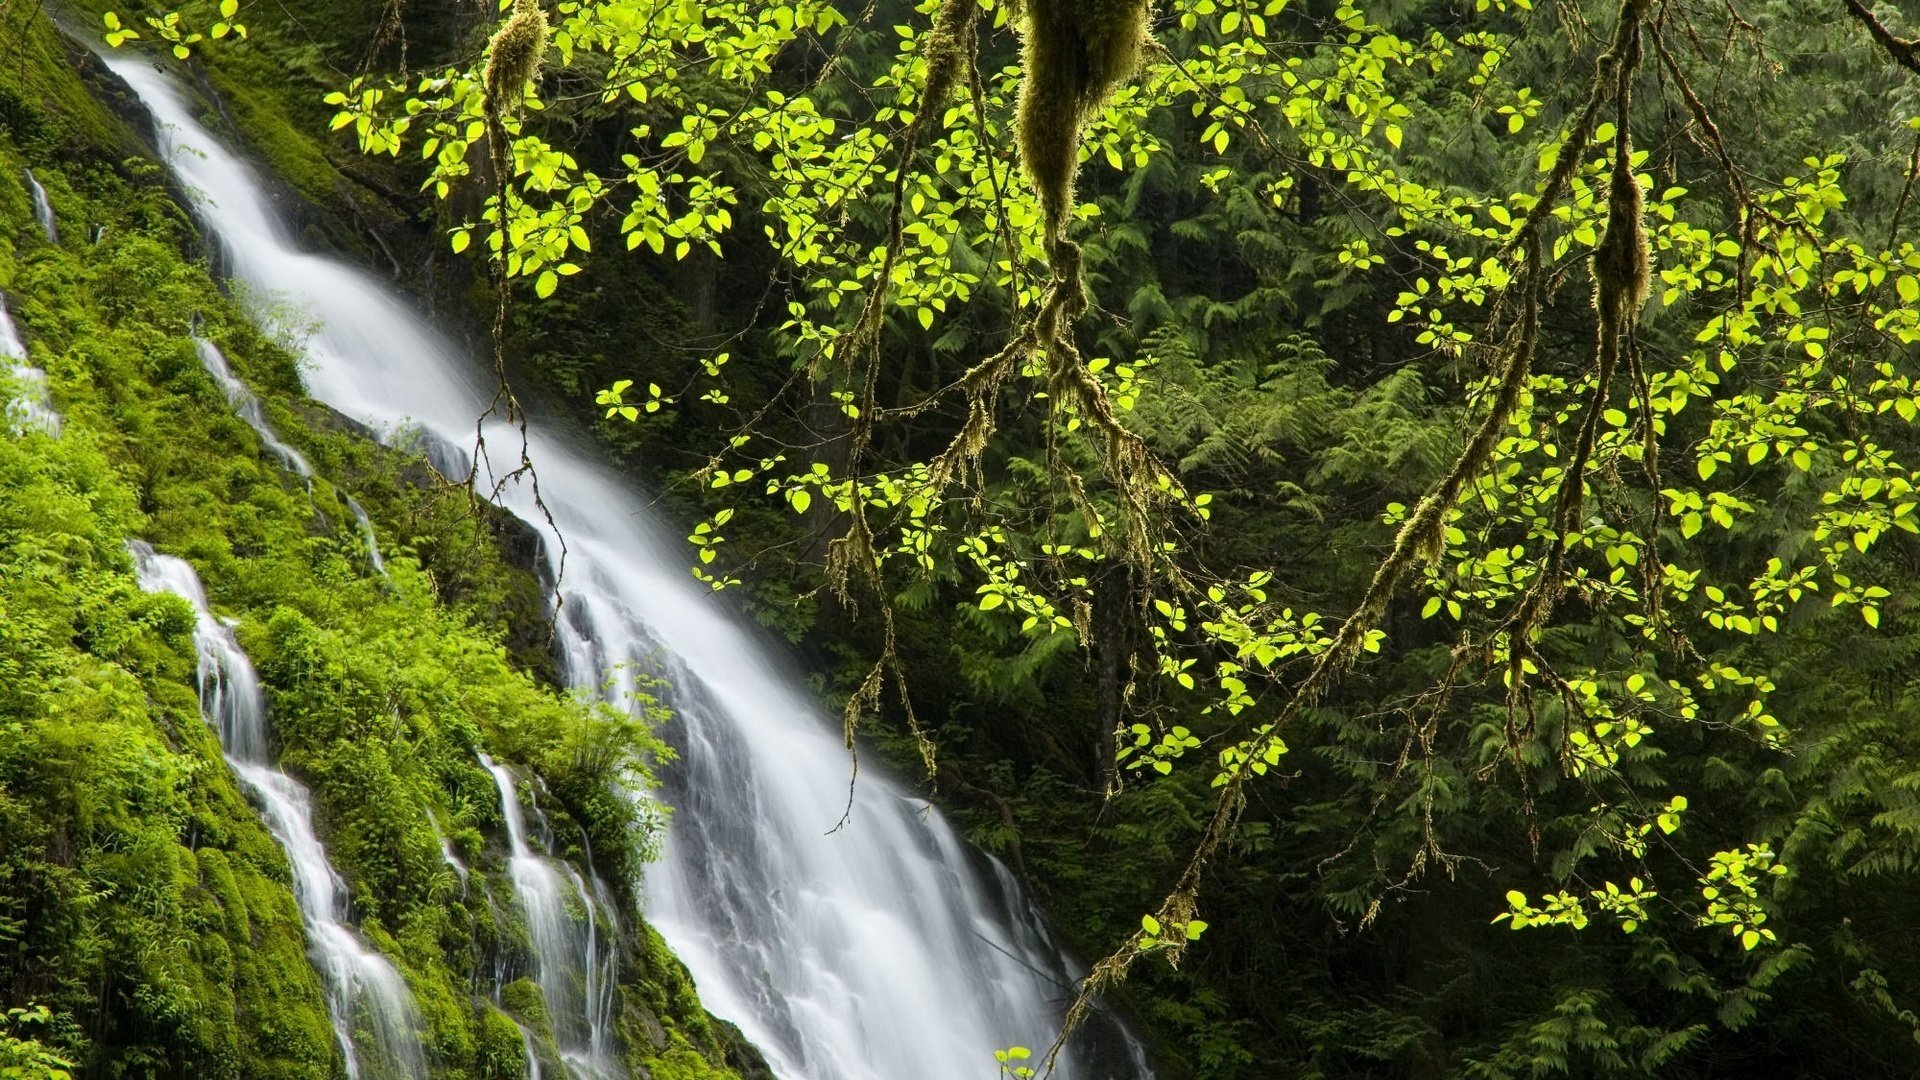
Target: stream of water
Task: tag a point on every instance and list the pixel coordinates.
(567, 927)
(373, 1014)
(885, 950)
(42, 209)
(248, 407)
(28, 406)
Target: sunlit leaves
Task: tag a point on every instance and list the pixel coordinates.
(1731, 889)
(117, 35)
(174, 30)
(1731, 432)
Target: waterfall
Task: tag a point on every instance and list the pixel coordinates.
(373, 1014)
(247, 405)
(28, 408)
(534, 1071)
(574, 967)
(886, 950)
(42, 209)
(446, 853)
(372, 541)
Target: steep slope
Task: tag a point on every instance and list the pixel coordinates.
(148, 924)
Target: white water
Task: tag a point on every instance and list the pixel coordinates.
(574, 967)
(28, 407)
(247, 405)
(42, 209)
(359, 512)
(534, 1070)
(446, 853)
(373, 1014)
(882, 951)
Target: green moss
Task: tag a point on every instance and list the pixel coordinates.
(522, 998)
(216, 874)
(669, 988)
(501, 1052)
(681, 1061)
(1074, 53)
(45, 109)
(514, 56)
(140, 898)
(104, 881)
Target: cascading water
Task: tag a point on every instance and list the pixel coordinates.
(247, 405)
(373, 1014)
(28, 407)
(42, 209)
(446, 854)
(573, 965)
(882, 951)
(367, 534)
(534, 1069)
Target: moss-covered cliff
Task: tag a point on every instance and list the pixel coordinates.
(147, 923)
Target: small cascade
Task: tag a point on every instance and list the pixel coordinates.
(42, 209)
(373, 1013)
(448, 459)
(535, 1070)
(29, 408)
(446, 853)
(247, 405)
(366, 533)
(573, 966)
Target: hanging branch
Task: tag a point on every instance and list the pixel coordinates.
(950, 52)
(951, 47)
(1074, 55)
(1622, 267)
(1422, 535)
(515, 55)
(1904, 51)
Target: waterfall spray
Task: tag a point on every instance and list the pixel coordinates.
(28, 407)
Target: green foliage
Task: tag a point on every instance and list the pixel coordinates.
(1649, 674)
(25, 1058)
(129, 861)
(144, 911)
(44, 107)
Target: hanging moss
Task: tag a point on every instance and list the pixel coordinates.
(514, 56)
(1075, 52)
(1623, 261)
(948, 51)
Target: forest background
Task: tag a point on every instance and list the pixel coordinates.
(1428, 508)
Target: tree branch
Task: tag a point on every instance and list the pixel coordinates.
(1905, 52)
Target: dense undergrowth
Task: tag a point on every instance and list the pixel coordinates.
(147, 927)
(1281, 386)
(1347, 939)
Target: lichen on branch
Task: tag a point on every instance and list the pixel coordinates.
(1074, 54)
